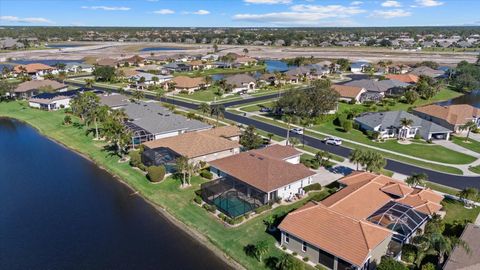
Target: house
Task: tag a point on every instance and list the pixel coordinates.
(114, 100)
(34, 87)
(272, 173)
(246, 61)
(133, 61)
(36, 70)
(210, 57)
(349, 93)
(75, 67)
(150, 121)
(389, 125)
(452, 117)
(376, 90)
(110, 62)
(241, 83)
(184, 83)
(177, 67)
(406, 78)
(460, 259)
(205, 146)
(369, 217)
(360, 66)
(427, 71)
(142, 79)
(8, 43)
(56, 100)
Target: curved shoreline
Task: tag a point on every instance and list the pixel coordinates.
(197, 236)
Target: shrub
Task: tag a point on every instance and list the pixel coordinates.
(315, 186)
(222, 216)
(428, 266)
(246, 216)
(206, 174)
(67, 120)
(263, 208)
(305, 259)
(417, 136)
(294, 253)
(408, 253)
(156, 173)
(135, 158)
(198, 199)
(210, 208)
(347, 125)
(233, 221)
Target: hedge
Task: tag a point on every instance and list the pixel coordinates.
(210, 208)
(198, 199)
(206, 174)
(156, 173)
(315, 186)
(263, 208)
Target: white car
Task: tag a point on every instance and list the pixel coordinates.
(298, 131)
(332, 141)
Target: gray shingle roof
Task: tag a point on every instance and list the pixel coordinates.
(377, 86)
(157, 119)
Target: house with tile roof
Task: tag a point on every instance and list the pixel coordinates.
(241, 83)
(34, 87)
(349, 93)
(185, 83)
(406, 78)
(273, 172)
(451, 116)
(369, 217)
(36, 70)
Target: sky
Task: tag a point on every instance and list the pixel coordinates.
(240, 13)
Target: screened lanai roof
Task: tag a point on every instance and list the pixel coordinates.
(400, 218)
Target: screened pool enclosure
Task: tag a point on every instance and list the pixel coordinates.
(231, 197)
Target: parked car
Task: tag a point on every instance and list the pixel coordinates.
(332, 141)
(265, 109)
(298, 131)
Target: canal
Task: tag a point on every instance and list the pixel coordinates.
(60, 211)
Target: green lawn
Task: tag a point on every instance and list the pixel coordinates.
(457, 211)
(177, 202)
(214, 71)
(469, 144)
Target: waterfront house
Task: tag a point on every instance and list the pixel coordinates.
(389, 125)
(200, 146)
(30, 88)
(177, 67)
(427, 71)
(452, 117)
(241, 83)
(75, 67)
(359, 66)
(55, 100)
(35, 70)
(369, 217)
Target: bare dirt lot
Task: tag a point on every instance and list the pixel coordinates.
(119, 50)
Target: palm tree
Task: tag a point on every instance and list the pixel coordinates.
(89, 83)
(270, 136)
(245, 51)
(288, 262)
(293, 141)
(287, 118)
(468, 195)
(138, 95)
(469, 126)
(417, 179)
(192, 168)
(204, 108)
(405, 123)
(182, 167)
(116, 132)
(356, 157)
(436, 243)
(218, 111)
(261, 249)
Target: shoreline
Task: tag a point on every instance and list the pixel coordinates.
(197, 236)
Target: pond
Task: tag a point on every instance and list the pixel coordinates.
(60, 211)
(472, 98)
(277, 65)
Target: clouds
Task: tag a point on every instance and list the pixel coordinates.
(302, 14)
(356, 3)
(428, 3)
(390, 14)
(391, 4)
(106, 8)
(164, 11)
(268, 2)
(201, 12)
(34, 20)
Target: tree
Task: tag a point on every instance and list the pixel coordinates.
(270, 136)
(116, 132)
(245, 51)
(293, 141)
(405, 122)
(389, 263)
(67, 120)
(182, 167)
(323, 158)
(374, 161)
(435, 243)
(104, 73)
(257, 251)
(416, 179)
(411, 96)
(356, 156)
(215, 47)
(6, 89)
(344, 64)
(192, 168)
(288, 262)
(250, 139)
(347, 125)
(156, 173)
(204, 108)
(138, 95)
(89, 83)
(468, 195)
(469, 126)
(287, 118)
(218, 111)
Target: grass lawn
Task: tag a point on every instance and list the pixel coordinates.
(440, 168)
(469, 144)
(457, 211)
(214, 71)
(475, 169)
(177, 202)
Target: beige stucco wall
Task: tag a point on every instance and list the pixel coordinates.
(218, 155)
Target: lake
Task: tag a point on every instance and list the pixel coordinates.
(149, 49)
(60, 211)
(472, 98)
(61, 46)
(277, 65)
(50, 62)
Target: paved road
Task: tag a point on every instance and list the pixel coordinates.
(454, 181)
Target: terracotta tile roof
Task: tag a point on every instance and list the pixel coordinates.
(347, 238)
(187, 82)
(406, 78)
(262, 171)
(245, 59)
(133, 59)
(107, 62)
(453, 114)
(32, 68)
(194, 144)
(196, 63)
(36, 84)
(347, 91)
(225, 131)
(397, 189)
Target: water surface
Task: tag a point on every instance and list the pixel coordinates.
(60, 211)
(149, 49)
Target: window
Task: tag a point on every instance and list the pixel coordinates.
(287, 238)
(304, 246)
